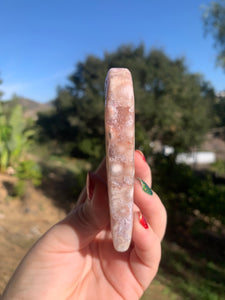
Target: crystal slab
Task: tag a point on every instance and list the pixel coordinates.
(119, 133)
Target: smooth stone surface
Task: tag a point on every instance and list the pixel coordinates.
(119, 132)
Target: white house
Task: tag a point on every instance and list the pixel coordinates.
(196, 158)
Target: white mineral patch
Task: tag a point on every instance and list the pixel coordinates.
(116, 168)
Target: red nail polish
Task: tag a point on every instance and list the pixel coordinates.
(90, 185)
(143, 222)
(142, 155)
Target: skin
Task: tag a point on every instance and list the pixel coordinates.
(75, 259)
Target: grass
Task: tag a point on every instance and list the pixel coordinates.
(218, 167)
(72, 164)
(193, 263)
(51, 155)
(190, 275)
(159, 291)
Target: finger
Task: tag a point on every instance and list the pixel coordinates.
(151, 207)
(146, 254)
(142, 169)
(87, 219)
(101, 172)
(82, 196)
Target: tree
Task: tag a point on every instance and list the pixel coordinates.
(172, 105)
(219, 108)
(214, 23)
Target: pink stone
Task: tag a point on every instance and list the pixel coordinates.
(119, 132)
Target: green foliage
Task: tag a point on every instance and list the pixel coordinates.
(19, 188)
(185, 190)
(218, 167)
(27, 170)
(90, 147)
(192, 274)
(172, 105)
(17, 139)
(195, 204)
(142, 139)
(14, 137)
(5, 132)
(214, 22)
(219, 108)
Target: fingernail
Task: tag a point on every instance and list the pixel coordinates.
(141, 154)
(145, 187)
(143, 221)
(90, 185)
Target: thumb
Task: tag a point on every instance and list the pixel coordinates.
(91, 216)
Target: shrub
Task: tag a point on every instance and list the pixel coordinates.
(27, 170)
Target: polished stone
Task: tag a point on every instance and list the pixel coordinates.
(119, 132)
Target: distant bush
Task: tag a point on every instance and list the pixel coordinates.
(219, 167)
(27, 170)
(184, 190)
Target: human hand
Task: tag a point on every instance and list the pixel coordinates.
(75, 259)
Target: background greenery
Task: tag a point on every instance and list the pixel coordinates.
(173, 107)
(172, 104)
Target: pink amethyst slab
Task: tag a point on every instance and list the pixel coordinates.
(120, 133)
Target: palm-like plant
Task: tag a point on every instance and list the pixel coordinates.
(13, 137)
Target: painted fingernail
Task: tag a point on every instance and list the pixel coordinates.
(143, 221)
(90, 185)
(145, 187)
(141, 154)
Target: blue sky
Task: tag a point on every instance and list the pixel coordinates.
(41, 41)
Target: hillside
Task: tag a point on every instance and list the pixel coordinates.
(30, 107)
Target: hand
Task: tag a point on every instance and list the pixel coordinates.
(75, 259)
